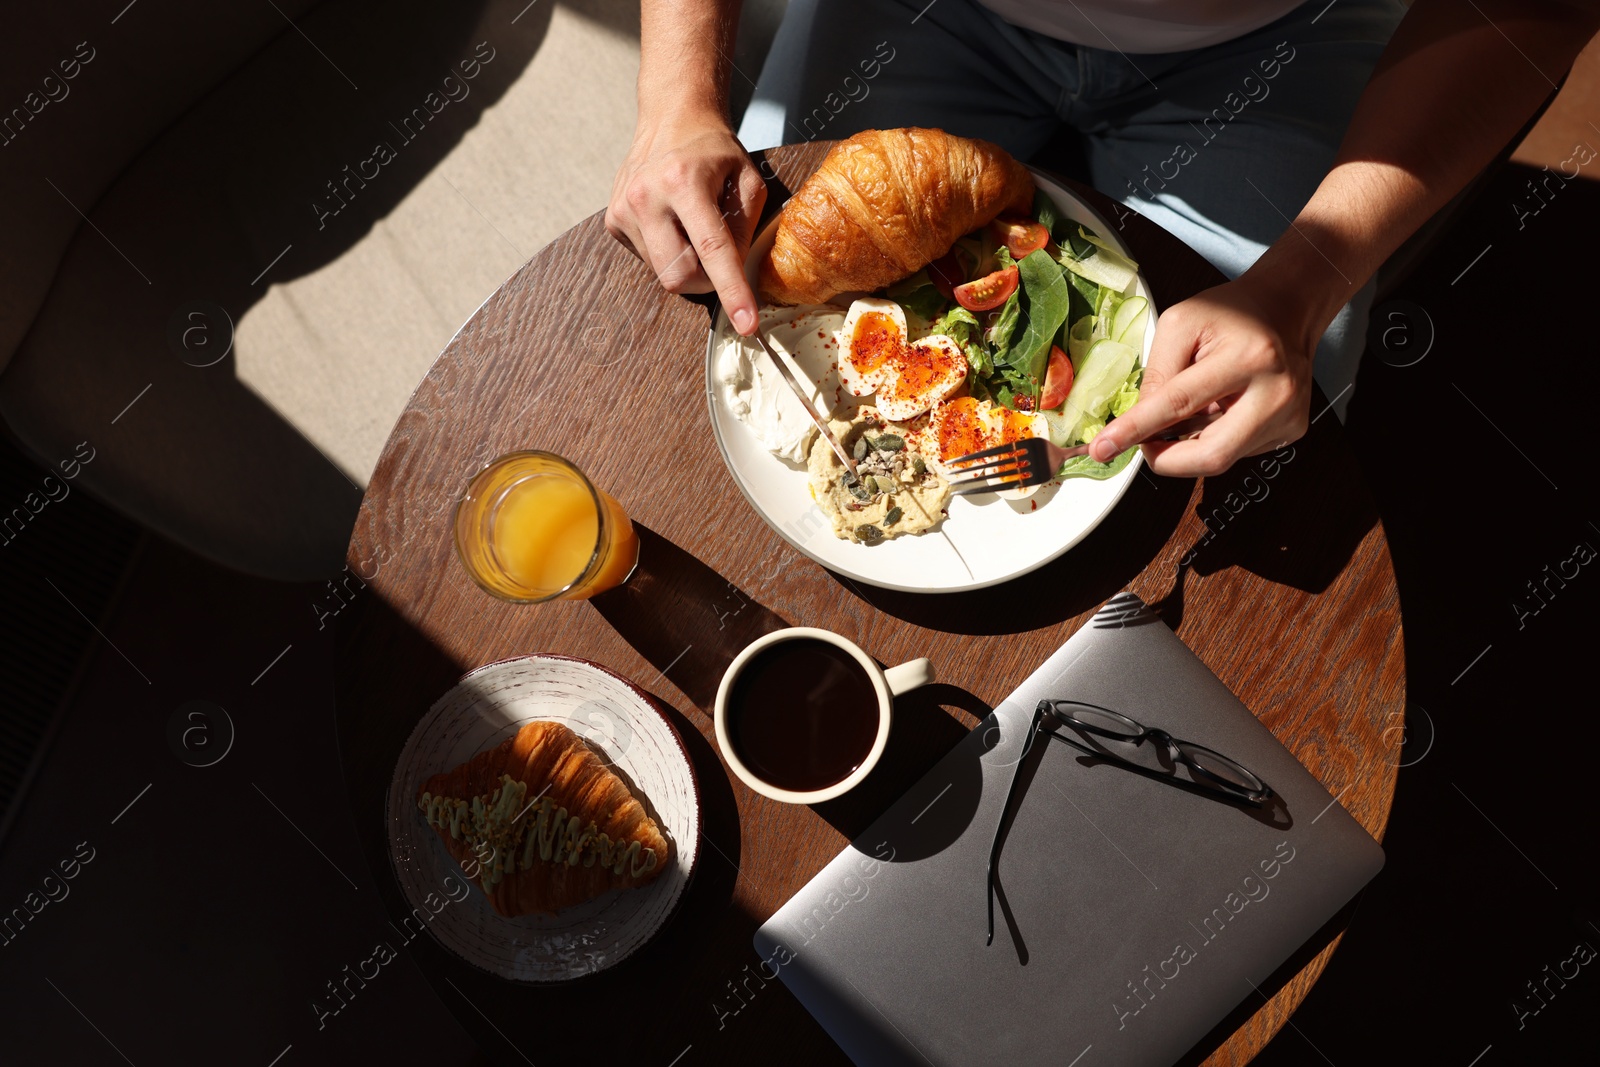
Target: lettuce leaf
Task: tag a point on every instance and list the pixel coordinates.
(1128, 394)
(957, 324)
(1086, 467)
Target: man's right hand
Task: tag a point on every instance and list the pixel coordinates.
(687, 200)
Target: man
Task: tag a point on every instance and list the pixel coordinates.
(1295, 147)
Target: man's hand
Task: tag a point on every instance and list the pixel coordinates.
(1223, 353)
(1427, 122)
(687, 199)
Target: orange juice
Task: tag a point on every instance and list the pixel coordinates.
(545, 531)
(531, 527)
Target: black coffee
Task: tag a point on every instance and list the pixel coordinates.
(803, 714)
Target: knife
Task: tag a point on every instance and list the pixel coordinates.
(800, 395)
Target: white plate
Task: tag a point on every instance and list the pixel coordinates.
(634, 739)
(985, 541)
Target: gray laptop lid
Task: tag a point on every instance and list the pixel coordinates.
(1133, 915)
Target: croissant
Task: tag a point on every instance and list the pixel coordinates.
(542, 824)
(883, 205)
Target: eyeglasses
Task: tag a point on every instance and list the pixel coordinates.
(1209, 770)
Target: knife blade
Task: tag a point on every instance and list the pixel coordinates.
(800, 395)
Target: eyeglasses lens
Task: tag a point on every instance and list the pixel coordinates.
(1220, 766)
(1106, 723)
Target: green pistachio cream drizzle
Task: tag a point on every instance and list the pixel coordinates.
(507, 834)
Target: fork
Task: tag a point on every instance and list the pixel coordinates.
(1028, 462)
(1035, 460)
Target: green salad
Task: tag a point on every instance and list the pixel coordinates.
(1045, 310)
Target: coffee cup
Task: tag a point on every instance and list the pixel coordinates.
(802, 714)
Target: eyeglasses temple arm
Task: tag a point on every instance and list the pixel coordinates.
(1011, 791)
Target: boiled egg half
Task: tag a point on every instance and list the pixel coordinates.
(908, 377)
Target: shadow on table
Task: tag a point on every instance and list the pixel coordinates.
(685, 618)
(1270, 515)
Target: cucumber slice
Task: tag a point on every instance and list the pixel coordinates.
(1128, 327)
(1105, 367)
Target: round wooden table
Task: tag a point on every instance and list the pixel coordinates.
(1277, 575)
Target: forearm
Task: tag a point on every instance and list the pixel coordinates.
(1448, 94)
(684, 50)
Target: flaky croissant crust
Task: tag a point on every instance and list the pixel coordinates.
(552, 772)
(883, 205)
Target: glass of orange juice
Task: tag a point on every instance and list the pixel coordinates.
(530, 527)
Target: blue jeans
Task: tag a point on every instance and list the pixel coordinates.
(1220, 145)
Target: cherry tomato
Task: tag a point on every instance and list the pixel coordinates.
(988, 292)
(1020, 236)
(1057, 380)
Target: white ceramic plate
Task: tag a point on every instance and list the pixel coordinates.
(985, 541)
(635, 740)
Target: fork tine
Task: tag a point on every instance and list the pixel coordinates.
(997, 450)
(1003, 461)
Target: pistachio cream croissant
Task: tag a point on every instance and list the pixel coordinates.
(883, 205)
(542, 823)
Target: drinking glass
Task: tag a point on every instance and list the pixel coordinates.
(530, 527)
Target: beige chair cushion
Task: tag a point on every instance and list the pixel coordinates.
(338, 313)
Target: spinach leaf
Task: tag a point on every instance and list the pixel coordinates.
(1085, 297)
(1047, 297)
(1074, 245)
(1044, 209)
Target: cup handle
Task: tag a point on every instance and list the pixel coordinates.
(908, 676)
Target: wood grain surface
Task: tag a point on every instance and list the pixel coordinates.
(1281, 584)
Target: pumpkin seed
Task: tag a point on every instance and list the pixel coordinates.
(884, 484)
(918, 467)
(892, 518)
(868, 533)
(860, 449)
(889, 442)
(859, 489)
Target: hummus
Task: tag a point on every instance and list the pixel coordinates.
(900, 492)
